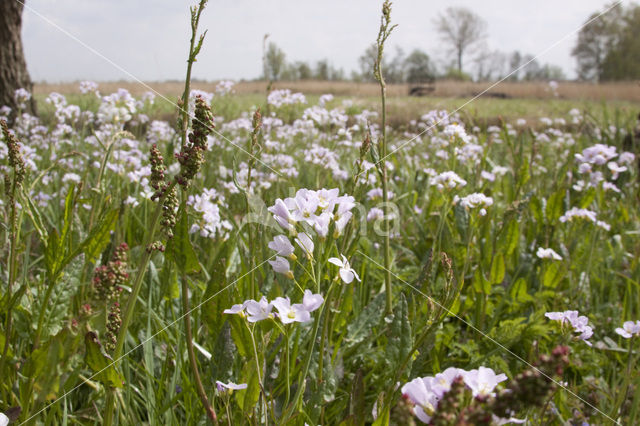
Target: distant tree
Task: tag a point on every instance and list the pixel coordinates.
(275, 62)
(322, 71)
(461, 29)
(515, 60)
(489, 65)
(366, 62)
(395, 72)
(304, 70)
(418, 67)
(595, 40)
(622, 62)
(13, 67)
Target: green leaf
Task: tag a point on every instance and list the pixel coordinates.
(510, 237)
(34, 214)
(68, 214)
(223, 356)
(519, 293)
(360, 329)
(536, 209)
(400, 337)
(53, 254)
(179, 248)
(480, 283)
(587, 199)
(555, 206)
(497, 269)
(101, 363)
(99, 236)
(462, 220)
(553, 274)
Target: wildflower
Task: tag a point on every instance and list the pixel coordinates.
(375, 214)
(483, 381)
(420, 392)
(347, 273)
(629, 329)
(312, 301)
(288, 313)
(282, 216)
(114, 321)
(547, 253)
(229, 387)
(258, 311)
(282, 246)
(306, 244)
(237, 309)
(4, 420)
(281, 266)
(447, 180)
(577, 322)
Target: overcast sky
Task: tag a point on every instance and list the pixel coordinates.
(149, 38)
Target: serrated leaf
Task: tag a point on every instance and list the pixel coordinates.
(462, 220)
(179, 248)
(400, 337)
(223, 355)
(102, 364)
(360, 329)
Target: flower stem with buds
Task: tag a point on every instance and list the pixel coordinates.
(383, 34)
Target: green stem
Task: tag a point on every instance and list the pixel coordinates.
(297, 399)
(192, 356)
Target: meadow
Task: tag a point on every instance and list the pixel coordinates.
(246, 257)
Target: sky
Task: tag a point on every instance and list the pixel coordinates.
(149, 39)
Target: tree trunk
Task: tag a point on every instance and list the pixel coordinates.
(13, 68)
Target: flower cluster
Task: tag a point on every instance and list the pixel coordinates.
(426, 392)
(317, 209)
(589, 215)
(114, 322)
(599, 155)
(108, 279)
(578, 322)
(474, 201)
(260, 310)
(278, 98)
(191, 156)
(448, 180)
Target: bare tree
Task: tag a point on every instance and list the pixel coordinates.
(461, 29)
(13, 68)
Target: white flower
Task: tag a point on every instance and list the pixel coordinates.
(235, 309)
(4, 420)
(229, 387)
(629, 328)
(306, 244)
(281, 266)
(578, 322)
(282, 246)
(347, 273)
(288, 313)
(483, 381)
(312, 301)
(547, 253)
(258, 311)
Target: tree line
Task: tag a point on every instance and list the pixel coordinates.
(607, 48)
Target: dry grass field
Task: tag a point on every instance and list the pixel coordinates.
(627, 91)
